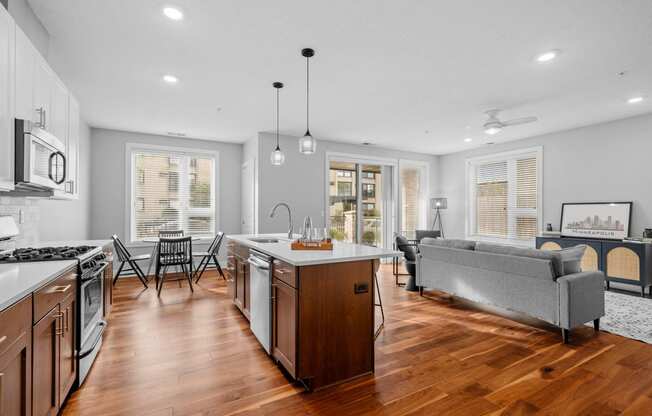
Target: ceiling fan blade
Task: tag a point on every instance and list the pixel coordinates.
(522, 120)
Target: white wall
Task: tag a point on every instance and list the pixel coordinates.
(108, 193)
(602, 162)
(301, 180)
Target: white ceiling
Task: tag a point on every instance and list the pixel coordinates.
(401, 74)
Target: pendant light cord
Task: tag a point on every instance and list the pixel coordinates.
(277, 112)
(307, 94)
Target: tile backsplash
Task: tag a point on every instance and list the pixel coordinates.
(28, 209)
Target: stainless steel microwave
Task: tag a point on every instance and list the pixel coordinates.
(40, 159)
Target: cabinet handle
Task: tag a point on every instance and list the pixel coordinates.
(61, 289)
(67, 325)
(58, 325)
(3, 339)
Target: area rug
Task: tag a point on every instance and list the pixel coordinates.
(627, 315)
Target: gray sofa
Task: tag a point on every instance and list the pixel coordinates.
(543, 284)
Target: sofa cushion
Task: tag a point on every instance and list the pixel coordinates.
(572, 258)
(554, 256)
(452, 243)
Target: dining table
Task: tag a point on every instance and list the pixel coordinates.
(156, 241)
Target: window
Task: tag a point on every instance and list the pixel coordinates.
(368, 190)
(369, 207)
(368, 175)
(344, 189)
(344, 173)
(414, 196)
(179, 194)
(504, 195)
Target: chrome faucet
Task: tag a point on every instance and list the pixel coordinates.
(273, 212)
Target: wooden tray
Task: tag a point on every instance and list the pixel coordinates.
(320, 245)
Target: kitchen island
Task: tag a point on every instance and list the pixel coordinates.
(321, 303)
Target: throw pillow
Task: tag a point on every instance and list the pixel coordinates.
(572, 258)
(452, 243)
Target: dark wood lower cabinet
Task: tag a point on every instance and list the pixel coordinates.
(238, 281)
(46, 364)
(68, 361)
(16, 359)
(284, 325)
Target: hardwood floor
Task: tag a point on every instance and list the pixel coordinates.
(193, 354)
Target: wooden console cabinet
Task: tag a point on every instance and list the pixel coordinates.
(621, 261)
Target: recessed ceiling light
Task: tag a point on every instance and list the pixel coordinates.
(635, 100)
(173, 13)
(170, 79)
(468, 140)
(492, 130)
(547, 56)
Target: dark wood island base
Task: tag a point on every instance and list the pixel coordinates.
(322, 317)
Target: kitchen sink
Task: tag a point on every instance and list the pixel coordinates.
(264, 240)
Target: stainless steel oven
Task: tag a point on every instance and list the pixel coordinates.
(91, 310)
(40, 159)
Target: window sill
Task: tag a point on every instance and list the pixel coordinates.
(506, 241)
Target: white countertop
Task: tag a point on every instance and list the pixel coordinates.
(342, 252)
(18, 280)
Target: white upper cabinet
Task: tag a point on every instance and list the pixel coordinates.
(57, 115)
(7, 56)
(72, 149)
(34, 93)
(24, 93)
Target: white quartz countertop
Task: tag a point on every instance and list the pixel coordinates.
(342, 252)
(18, 280)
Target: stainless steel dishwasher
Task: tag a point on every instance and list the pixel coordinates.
(260, 311)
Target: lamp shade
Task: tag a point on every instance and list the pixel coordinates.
(438, 203)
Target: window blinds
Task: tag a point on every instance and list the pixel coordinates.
(172, 191)
(505, 197)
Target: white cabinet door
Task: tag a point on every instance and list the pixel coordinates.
(72, 150)
(57, 122)
(24, 92)
(43, 79)
(7, 57)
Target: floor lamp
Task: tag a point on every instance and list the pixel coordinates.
(438, 204)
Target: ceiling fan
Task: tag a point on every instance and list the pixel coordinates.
(494, 125)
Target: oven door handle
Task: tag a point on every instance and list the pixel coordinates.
(102, 324)
(95, 272)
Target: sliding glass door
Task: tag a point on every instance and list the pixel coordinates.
(343, 201)
(360, 202)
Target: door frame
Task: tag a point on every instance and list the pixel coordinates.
(393, 220)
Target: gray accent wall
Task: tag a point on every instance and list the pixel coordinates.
(301, 180)
(108, 176)
(601, 162)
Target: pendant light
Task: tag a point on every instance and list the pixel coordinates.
(307, 144)
(277, 157)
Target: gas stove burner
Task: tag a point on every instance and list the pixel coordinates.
(44, 254)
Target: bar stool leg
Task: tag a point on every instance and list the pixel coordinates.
(380, 300)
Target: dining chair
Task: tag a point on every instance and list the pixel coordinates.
(170, 233)
(207, 256)
(174, 252)
(124, 257)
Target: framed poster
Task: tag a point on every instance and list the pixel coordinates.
(604, 220)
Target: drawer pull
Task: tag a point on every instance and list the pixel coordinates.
(61, 289)
(3, 339)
